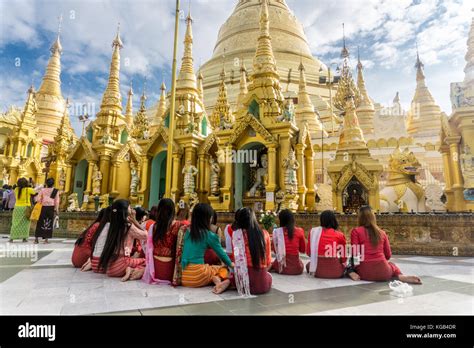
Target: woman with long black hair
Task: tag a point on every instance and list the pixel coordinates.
(288, 243)
(161, 244)
(20, 218)
(115, 244)
(84, 244)
(48, 197)
(251, 253)
(199, 237)
(326, 248)
(371, 245)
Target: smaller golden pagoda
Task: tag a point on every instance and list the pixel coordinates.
(354, 173)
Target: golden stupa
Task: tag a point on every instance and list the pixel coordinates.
(258, 125)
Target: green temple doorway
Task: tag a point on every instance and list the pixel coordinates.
(157, 178)
(80, 179)
(247, 162)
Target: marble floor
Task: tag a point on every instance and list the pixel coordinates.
(39, 280)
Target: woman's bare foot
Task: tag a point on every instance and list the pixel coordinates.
(87, 266)
(10, 241)
(128, 272)
(409, 279)
(137, 274)
(25, 240)
(46, 241)
(36, 241)
(221, 287)
(354, 276)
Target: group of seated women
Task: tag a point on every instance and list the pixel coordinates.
(168, 248)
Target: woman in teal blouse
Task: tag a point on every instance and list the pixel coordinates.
(197, 239)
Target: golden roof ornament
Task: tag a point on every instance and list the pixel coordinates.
(51, 84)
(112, 99)
(160, 112)
(129, 107)
(222, 116)
(264, 61)
(141, 125)
(187, 78)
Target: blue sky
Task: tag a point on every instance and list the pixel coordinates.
(385, 30)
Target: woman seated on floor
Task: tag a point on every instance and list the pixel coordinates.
(196, 239)
(252, 254)
(210, 257)
(161, 244)
(326, 248)
(370, 244)
(288, 242)
(114, 245)
(81, 255)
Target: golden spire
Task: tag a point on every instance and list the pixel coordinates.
(160, 112)
(51, 84)
(112, 99)
(129, 107)
(366, 102)
(200, 87)
(424, 116)
(64, 135)
(264, 61)
(187, 78)
(420, 75)
(305, 109)
(141, 126)
(221, 113)
(28, 119)
(347, 100)
(243, 90)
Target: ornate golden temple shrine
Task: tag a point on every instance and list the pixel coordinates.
(262, 124)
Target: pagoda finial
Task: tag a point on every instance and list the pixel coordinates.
(264, 60)
(221, 114)
(112, 99)
(51, 84)
(420, 75)
(187, 78)
(305, 111)
(129, 107)
(345, 51)
(365, 100)
(160, 112)
(117, 41)
(141, 125)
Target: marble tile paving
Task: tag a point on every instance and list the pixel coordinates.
(51, 286)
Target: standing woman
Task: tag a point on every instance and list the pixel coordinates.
(20, 222)
(196, 273)
(48, 197)
(115, 259)
(183, 212)
(370, 243)
(288, 243)
(253, 258)
(11, 199)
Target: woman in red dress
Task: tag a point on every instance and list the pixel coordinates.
(370, 243)
(83, 247)
(115, 258)
(164, 238)
(288, 242)
(254, 248)
(329, 259)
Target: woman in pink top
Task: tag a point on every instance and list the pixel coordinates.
(115, 256)
(370, 243)
(48, 197)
